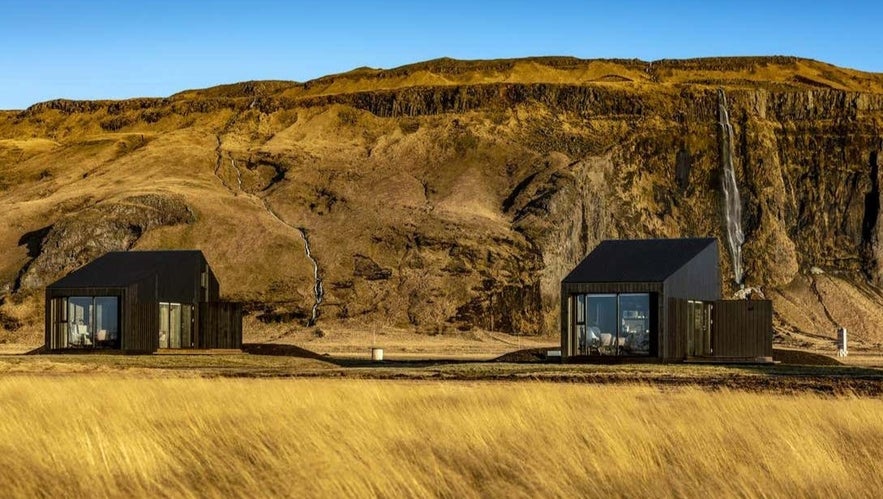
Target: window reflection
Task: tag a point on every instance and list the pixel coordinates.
(612, 324)
(602, 324)
(89, 321)
(107, 323)
(80, 321)
(635, 323)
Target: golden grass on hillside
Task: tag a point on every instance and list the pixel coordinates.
(98, 435)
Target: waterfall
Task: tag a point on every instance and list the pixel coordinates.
(732, 201)
(318, 290)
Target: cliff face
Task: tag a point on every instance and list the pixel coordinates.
(457, 194)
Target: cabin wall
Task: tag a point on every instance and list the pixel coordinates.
(214, 288)
(179, 281)
(699, 279)
(220, 325)
(742, 328)
(677, 312)
(142, 334)
(567, 347)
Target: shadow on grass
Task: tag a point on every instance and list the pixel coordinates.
(791, 362)
(295, 351)
(798, 357)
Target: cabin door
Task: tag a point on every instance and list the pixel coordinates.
(175, 325)
(698, 329)
(170, 325)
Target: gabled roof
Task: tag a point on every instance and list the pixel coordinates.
(637, 260)
(122, 268)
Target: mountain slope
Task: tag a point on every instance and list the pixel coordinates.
(456, 194)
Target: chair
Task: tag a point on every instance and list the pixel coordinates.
(594, 339)
(605, 345)
(642, 342)
(73, 335)
(622, 344)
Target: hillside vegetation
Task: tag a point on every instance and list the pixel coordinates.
(452, 195)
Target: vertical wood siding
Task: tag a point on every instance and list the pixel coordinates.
(742, 328)
(675, 340)
(141, 332)
(220, 325)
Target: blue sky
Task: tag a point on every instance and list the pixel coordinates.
(118, 49)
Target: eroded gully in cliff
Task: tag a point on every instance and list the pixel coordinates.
(815, 289)
(318, 289)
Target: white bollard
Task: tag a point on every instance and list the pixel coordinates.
(842, 351)
(376, 354)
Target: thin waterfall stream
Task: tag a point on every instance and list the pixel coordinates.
(318, 290)
(732, 201)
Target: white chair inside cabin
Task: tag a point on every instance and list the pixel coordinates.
(605, 345)
(78, 334)
(73, 334)
(594, 338)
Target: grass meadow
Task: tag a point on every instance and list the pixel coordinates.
(111, 435)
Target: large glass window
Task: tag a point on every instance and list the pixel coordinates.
(612, 324)
(89, 321)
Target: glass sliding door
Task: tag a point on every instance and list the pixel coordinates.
(80, 321)
(634, 333)
(87, 321)
(612, 324)
(602, 314)
(164, 325)
(175, 325)
(107, 321)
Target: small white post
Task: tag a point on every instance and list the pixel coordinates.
(841, 342)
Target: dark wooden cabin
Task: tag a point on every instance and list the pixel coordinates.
(659, 300)
(139, 302)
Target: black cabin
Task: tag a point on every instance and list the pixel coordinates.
(139, 302)
(658, 299)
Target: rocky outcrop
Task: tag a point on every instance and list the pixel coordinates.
(367, 268)
(80, 237)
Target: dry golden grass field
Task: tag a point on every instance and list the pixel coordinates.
(121, 436)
